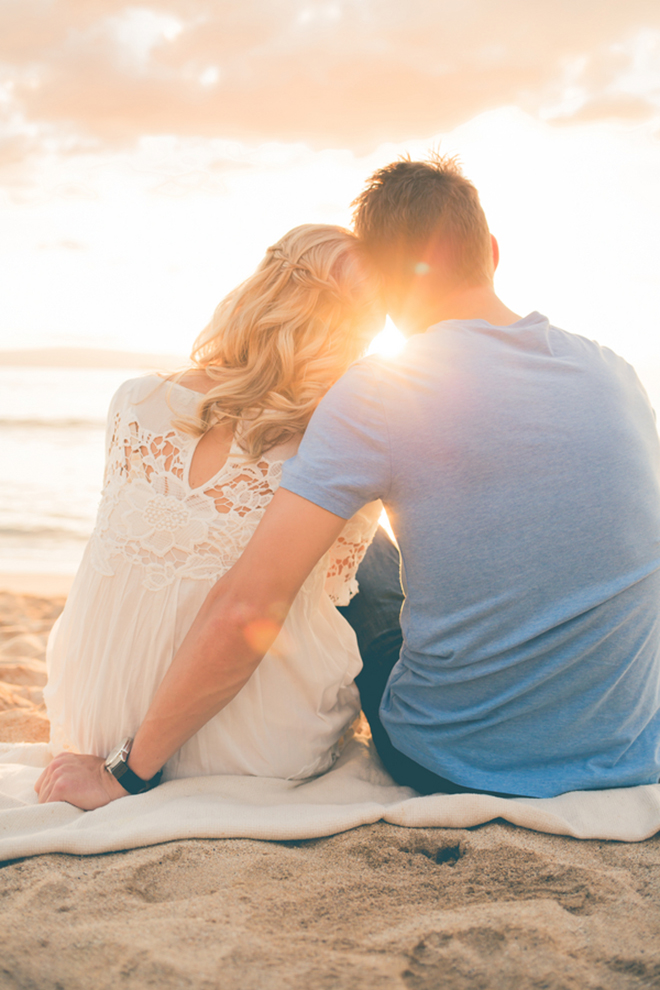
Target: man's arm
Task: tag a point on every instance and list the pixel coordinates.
(237, 624)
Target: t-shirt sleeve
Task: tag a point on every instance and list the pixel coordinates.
(344, 459)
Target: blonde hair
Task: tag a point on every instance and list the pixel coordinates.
(279, 340)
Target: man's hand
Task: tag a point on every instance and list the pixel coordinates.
(81, 780)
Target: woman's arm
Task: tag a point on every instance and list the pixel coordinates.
(237, 624)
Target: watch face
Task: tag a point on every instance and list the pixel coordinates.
(118, 755)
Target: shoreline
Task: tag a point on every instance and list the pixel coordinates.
(36, 584)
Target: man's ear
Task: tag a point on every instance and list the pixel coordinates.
(496, 251)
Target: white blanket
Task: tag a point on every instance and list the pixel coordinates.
(357, 791)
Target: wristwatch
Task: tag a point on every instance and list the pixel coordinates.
(117, 765)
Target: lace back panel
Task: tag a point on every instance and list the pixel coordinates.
(150, 517)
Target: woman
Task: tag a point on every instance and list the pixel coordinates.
(188, 477)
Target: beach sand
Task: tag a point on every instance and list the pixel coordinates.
(490, 908)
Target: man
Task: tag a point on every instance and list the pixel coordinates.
(520, 467)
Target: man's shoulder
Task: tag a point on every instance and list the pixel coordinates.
(594, 347)
(353, 406)
(379, 368)
(599, 357)
(372, 384)
(360, 380)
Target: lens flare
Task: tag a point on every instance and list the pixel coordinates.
(389, 342)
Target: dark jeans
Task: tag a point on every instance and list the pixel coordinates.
(374, 615)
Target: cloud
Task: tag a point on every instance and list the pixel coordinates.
(65, 244)
(617, 107)
(332, 73)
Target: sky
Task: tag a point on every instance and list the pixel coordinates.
(149, 153)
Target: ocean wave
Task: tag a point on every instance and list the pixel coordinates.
(51, 424)
(42, 532)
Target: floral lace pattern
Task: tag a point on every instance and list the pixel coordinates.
(151, 517)
(347, 553)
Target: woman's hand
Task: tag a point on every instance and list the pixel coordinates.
(81, 780)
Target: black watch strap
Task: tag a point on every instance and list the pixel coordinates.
(131, 782)
(117, 765)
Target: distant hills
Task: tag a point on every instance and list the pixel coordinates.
(90, 357)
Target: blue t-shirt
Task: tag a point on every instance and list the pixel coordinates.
(520, 469)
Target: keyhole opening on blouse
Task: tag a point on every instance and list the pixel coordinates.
(210, 454)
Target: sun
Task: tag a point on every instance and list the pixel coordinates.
(388, 342)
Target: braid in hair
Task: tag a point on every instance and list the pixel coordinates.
(302, 273)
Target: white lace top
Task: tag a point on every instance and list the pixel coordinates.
(157, 548)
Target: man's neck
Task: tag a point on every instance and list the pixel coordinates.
(472, 303)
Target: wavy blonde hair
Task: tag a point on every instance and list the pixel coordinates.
(279, 340)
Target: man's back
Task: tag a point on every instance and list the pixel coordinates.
(520, 466)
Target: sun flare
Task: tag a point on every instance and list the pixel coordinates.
(388, 342)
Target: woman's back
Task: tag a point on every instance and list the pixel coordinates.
(151, 514)
(160, 543)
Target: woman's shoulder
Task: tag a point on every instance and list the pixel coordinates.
(154, 389)
(283, 451)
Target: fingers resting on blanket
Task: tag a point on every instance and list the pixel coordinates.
(81, 780)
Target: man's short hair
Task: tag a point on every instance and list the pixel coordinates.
(412, 211)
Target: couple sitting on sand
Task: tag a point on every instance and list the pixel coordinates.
(520, 468)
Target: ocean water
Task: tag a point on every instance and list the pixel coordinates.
(52, 439)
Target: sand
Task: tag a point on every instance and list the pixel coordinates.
(490, 908)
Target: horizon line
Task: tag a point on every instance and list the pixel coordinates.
(89, 357)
